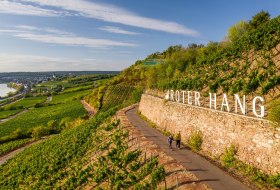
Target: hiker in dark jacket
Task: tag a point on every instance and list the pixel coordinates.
(178, 140)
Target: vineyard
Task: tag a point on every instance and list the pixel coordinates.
(107, 96)
(7, 147)
(248, 66)
(41, 116)
(98, 154)
(68, 97)
(7, 113)
(25, 103)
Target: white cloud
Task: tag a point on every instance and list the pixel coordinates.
(44, 30)
(54, 36)
(117, 30)
(72, 40)
(22, 62)
(18, 8)
(105, 12)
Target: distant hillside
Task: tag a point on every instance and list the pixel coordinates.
(248, 65)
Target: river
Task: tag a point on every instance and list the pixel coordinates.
(4, 90)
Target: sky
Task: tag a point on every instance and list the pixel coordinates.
(107, 35)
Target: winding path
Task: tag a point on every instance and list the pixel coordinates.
(14, 116)
(91, 111)
(205, 171)
(7, 156)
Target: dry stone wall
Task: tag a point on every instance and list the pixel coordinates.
(258, 143)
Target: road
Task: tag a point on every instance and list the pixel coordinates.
(205, 171)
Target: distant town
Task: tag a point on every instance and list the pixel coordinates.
(27, 79)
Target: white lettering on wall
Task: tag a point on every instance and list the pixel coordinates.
(213, 100)
(242, 107)
(167, 95)
(225, 103)
(177, 96)
(196, 98)
(254, 107)
(183, 92)
(190, 97)
(171, 95)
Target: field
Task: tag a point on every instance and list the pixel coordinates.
(78, 88)
(93, 155)
(7, 113)
(6, 147)
(41, 116)
(68, 97)
(26, 103)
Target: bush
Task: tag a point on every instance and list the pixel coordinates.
(195, 141)
(228, 158)
(39, 132)
(38, 105)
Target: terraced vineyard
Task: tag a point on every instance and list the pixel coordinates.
(116, 95)
(68, 97)
(41, 116)
(18, 106)
(93, 155)
(26, 103)
(6, 147)
(7, 113)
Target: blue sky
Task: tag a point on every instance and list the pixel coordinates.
(65, 35)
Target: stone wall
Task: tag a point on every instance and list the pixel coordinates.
(258, 143)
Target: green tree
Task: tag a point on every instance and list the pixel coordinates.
(236, 31)
(258, 20)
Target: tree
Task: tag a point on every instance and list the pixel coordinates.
(258, 20)
(236, 31)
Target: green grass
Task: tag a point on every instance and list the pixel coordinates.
(7, 113)
(68, 97)
(26, 102)
(9, 146)
(41, 116)
(77, 88)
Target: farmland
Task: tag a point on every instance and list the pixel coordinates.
(41, 116)
(64, 158)
(7, 113)
(68, 97)
(25, 103)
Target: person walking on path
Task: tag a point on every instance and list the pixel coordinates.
(178, 140)
(170, 139)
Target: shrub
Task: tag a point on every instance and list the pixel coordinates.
(38, 105)
(228, 158)
(39, 132)
(195, 140)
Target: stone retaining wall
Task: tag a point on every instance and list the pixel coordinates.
(176, 174)
(258, 143)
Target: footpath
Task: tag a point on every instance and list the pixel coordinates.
(204, 170)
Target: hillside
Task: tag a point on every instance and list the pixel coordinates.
(247, 66)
